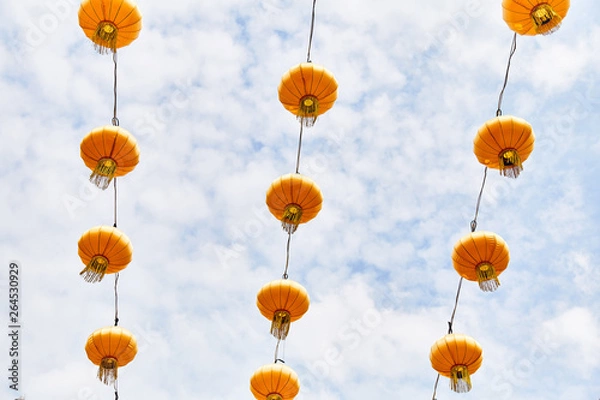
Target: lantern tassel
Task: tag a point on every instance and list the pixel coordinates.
(280, 327)
(460, 381)
(510, 163)
(107, 371)
(103, 173)
(487, 278)
(308, 111)
(546, 20)
(95, 270)
(105, 38)
(291, 218)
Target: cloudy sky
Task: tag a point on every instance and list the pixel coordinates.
(393, 158)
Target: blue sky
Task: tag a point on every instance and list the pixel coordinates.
(393, 158)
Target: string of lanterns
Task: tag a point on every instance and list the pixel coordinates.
(109, 152)
(307, 91)
(502, 143)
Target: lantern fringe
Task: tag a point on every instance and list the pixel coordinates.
(291, 218)
(95, 270)
(280, 327)
(108, 370)
(105, 37)
(103, 173)
(487, 278)
(308, 111)
(510, 163)
(274, 396)
(546, 20)
(460, 381)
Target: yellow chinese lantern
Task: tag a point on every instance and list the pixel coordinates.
(103, 250)
(109, 151)
(456, 356)
(481, 256)
(504, 143)
(110, 348)
(307, 91)
(294, 199)
(110, 24)
(283, 302)
(533, 17)
(274, 382)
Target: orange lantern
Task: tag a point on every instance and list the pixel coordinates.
(110, 24)
(307, 91)
(457, 357)
(533, 17)
(110, 348)
(103, 250)
(283, 302)
(294, 199)
(274, 382)
(504, 143)
(109, 151)
(481, 256)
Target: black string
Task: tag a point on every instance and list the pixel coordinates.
(451, 322)
(115, 120)
(435, 387)
(287, 256)
(474, 222)
(116, 299)
(116, 202)
(299, 148)
(513, 48)
(450, 329)
(312, 29)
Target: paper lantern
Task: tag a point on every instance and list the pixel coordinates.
(110, 348)
(274, 382)
(307, 91)
(283, 302)
(110, 24)
(482, 257)
(294, 199)
(103, 250)
(534, 17)
(504, 143)
(109, 151)
(456, 356)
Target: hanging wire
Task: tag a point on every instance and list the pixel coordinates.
(116, 202)
(312, 29)
(451, 322)
(513, 48)
(116, 299)
(450, 330)
(277, 359)
(287, 257)
(299, 148)
(474, 222)
(115, 120)
(437, 380)
(458, 289)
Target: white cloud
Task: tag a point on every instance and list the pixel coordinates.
(393, 158)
